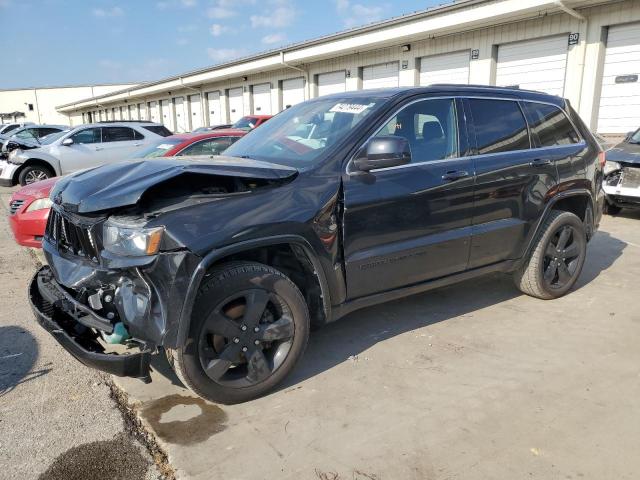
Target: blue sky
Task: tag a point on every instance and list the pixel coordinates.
(67, 42)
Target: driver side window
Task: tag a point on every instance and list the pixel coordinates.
(430, 126)
(89, 135)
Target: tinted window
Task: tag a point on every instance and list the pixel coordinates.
(10, 128)
(27, 133)
(551, 125)
(212, 146)
(43, 132)
(118, 134)
(90, 135)
(500, 126)
(158, 130)
(430, 128)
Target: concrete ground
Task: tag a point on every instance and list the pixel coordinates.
(474, 381)
(57, 418)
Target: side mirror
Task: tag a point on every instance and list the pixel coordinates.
(67, 142)
(383, 152)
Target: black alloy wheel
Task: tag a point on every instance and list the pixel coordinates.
(246, 338)
(562, 257)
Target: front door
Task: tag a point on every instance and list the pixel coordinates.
(84, 152)
(409, 224)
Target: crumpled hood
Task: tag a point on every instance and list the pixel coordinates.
(122, 184)
(624, 152)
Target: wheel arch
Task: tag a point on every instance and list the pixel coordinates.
(29, 162)
(292, 254)
(577, 201)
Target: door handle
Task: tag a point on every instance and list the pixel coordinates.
(455, 175)
(540, 162)
(137, 145)
(98, 149)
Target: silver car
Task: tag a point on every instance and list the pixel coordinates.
(79, 148)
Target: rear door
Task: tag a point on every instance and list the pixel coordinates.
(119, 143)
(408, 224)
(512, 180)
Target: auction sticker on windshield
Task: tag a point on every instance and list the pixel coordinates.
(354, 108)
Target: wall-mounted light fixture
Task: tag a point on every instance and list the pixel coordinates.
(406, 48)
(244, 79)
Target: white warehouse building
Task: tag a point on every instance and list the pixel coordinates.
(38, 105)
(585, 50)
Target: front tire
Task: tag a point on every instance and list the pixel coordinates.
(557, 257)
(249, 328)
(34, 173)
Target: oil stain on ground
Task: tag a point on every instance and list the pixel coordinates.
(183, 420)
(117, 459)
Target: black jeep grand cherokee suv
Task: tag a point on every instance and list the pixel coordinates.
(335, 204)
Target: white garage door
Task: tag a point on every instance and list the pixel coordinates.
(262, 99)
(167, 116)
(447, 68)
(142, 111)
(534, 65)
(620, 99)
(292, 92)
(182, 124)
(154, 112)
(333, 82)
(380, 76)
(196, 112)
(215, 114)
(133, 112)
(236, 104)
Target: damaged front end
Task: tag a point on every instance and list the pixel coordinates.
(117, 277)
(622, 184)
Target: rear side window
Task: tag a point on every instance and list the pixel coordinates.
(500, 126)
(119, 134)
(158, 130)
(88, 135)
(550, 125)
(43, 132)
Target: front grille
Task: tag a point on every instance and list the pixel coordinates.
(74, 238)
(15, 205)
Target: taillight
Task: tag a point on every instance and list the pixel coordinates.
(602, 159)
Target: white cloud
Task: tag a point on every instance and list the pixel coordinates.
(278, 18)
(187, 28)
(223, 54)
(189, 3)
(357, 13)
(216, 29)
(182, 41)
(109, 12)
(220, 12)
(274, 38)
(165, 4)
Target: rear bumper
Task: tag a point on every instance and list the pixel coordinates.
(7, 171)
(55, 312)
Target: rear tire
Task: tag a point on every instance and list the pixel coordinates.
(249, 328)
(34, 173)
(557, 258)
(611, 209)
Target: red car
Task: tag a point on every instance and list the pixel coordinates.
(28, 212)
(29, 206)
(209, 143)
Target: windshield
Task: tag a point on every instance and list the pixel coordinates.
(52, 137)
(159, 148)
(300, 135)
(635, 138)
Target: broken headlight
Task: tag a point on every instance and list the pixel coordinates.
(610, 167)
(131, 241)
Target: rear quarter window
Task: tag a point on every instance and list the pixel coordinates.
(500, 126)
(158, 130)
(550, 125)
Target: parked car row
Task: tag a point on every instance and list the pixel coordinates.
(26, 137)
(29, 206)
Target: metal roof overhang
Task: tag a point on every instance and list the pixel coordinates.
(449, 19)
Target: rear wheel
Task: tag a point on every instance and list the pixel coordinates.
(557, 257)
(34, 173)
(611, 209)
(249, 328)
